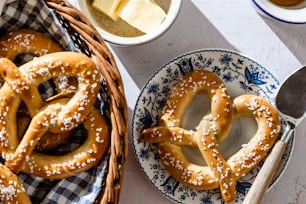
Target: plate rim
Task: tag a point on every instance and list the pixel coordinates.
(276, 17)
(157, 71)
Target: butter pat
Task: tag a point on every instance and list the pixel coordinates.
(145, 15)
(108, 7)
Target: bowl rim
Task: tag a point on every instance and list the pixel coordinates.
(126, 41)
(283, 14)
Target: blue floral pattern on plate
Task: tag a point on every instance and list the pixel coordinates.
(240, 75)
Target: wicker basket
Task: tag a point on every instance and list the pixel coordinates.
(80, 27)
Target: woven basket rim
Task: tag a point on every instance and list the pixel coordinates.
(104, 59)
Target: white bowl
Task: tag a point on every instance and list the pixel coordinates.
(172, 13)
(293, 14)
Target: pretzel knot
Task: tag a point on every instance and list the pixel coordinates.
(56, 116)
(212, 129)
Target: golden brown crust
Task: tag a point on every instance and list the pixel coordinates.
(48, 141)
(268, 130)
(25, 80)
(219, 172)
(188, 173)
(187, 88)
(82, 159)
(11, 189)
(26, 41)
(208, 147)
(57, 116)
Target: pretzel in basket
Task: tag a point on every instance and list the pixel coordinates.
(32, 42)
(219, 172)
(11, 189)
(28, 41)
(59, 115)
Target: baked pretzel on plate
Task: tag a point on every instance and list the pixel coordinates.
(212, 129)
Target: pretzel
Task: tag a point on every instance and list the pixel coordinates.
(57, 116)
(219, 172)
(11, 189)
(28, 41)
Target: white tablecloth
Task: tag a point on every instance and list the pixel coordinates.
(230, 24)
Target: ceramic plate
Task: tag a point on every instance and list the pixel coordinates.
(294, 14)
(240, 75)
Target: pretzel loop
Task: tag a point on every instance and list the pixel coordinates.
(26, 41)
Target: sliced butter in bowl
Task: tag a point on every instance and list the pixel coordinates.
(130, 22)
(107, 7)
(144, 15)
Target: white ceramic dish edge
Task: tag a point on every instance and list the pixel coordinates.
(291, 15)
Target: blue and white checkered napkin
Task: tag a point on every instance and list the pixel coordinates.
(84, 187)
